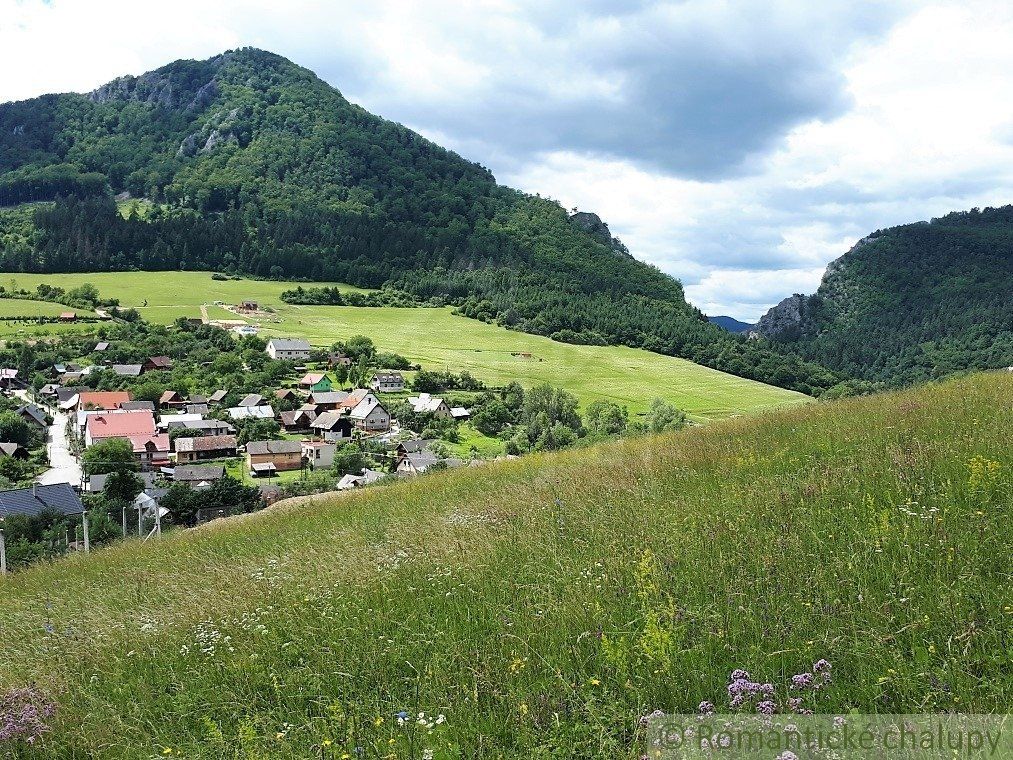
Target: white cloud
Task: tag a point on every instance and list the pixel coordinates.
(738, 146)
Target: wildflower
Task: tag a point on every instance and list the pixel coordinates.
(326, 743)
(766, 707)
(167, 751)
(23, 714)
(705, 708)
(802, 680)
(377, 721)
(739, 675)
(787, 755)
(595, 682)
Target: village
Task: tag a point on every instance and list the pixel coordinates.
(193, 440)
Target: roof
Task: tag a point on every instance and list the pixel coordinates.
(97, 483)
(274, 447)
(263, 467)
(284, 393)
(197, 398)
(425, 403)
(389, 377)
(364, 409)
(328, 397)
(127, 370)
(459, 411)
(422, 460)
(251, 399)
(168, 396)
(168, 420)
(160, 361)
(101, 345)
(206, 443)
(312, 378)
(355, 398)
(217, 396)
(327, 420)
(138, 406)
(102, 399)
(198, 472)
(246, 412)
(289, 344)
(34, 412)
(298, 416)
(120, 424)
(143, 443)
(68, 315)
(8, 374)
(195, 408)
(10, 449)
(189, 424)
(33, 501)
(415, 445)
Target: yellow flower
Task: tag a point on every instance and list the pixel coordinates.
(326, 743)
(167, 751)
(595, 682)
(524, 708)
(378, 721)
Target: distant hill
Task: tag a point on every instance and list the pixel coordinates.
(255, 165)
(910, 303)
(731, 324)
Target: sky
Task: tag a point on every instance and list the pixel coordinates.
(739, 146)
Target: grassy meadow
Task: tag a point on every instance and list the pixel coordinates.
(11, 309)
(543, 605)
(437, 339)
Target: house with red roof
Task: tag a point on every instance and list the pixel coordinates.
(118, 424)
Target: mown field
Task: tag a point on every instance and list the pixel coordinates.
(12, 309)
(439, 340)
(543, 605)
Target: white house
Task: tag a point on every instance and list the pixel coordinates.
(319, 454)
(388, 382)
(247, 412)
(293, 349)
(426, 404)
(370, 415)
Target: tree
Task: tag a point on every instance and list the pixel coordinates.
(348, 460)
(492, 418)
(13, 429)
(111, 455)
(663, 416)
(359, 347)
(605, 419)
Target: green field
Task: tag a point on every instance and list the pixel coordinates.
(543, 605)
(13, 307)
(439, 340)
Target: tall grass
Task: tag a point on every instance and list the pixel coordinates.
(542, 606)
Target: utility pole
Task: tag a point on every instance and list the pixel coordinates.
(3, 553)
(124, 520)
(84, 524)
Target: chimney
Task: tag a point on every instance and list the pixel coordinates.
(35, 488)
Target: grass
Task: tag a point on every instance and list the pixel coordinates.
(544, 604)
(14, 307)
(437, 339)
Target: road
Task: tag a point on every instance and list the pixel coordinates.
(63, 467)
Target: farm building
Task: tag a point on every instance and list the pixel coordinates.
(205, 447)
(268, 457)
(291, 349)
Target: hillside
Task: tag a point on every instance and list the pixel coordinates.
(910, 303)
(543, 605)
(731, 324)
(255, 165)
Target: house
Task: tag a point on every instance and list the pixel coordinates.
(327, 401)
(459, 413)
(285, 394)
(338, 360)
(138, 406)
(155, 363)
(356, 397)
(251, 412)
(269, 457)
(198, 399)
(68, 316)
(244, 330)
(205, 447)
(315, 382)
(370, 415)
(388, 382)
(152, 451)
(192, 408)
(217, 397)
(101, 346)
(97, 484)
(248, 306)
(170, 421)
(127, 370)
(33, 415)
(199, 427)
(426, 404)
(8, 377)
(417, 462)
(318, 454)
(251, 399)
(198, 475)
(332, 426)
(49, 390)
(118, 424)
(298, 419)
(18, 451)
(410, 447)
(59, 497)
(368, 476)
(291, 349)
(170, 398)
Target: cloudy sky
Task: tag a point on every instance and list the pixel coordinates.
(738, 145)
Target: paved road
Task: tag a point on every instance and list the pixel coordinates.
(63, 468)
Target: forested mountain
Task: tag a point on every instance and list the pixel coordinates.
(910, 303)
(255, 165)
(731, 324)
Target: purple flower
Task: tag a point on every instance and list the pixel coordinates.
(821, 666)
(794, 703)
(787, 755)
(766, 707)
(23, 714)
(802, 680)
(706, 708)
(739, 675)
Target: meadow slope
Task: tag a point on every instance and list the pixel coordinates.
(543, 605)
(437, 339)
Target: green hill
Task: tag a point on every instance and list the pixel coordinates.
(910, 303)
(543, 605)
(253, 164)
